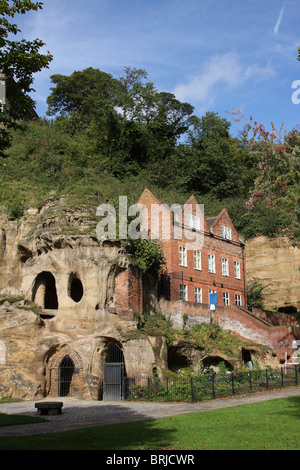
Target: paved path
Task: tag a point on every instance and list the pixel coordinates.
(78, 414)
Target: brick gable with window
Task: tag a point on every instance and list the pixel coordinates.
(216, 265)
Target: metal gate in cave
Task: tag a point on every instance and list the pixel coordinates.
(113, 373)
(66, 372)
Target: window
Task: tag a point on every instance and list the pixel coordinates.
(197, 259)
(237, 269)
(182, 256)
(226, 298)
(226, 232)
(238, 300)
(183, 292)
(198, 295)
(194, 222)
(225, 269)
(211, 263)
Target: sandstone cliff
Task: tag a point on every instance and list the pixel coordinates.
(77, 297)
(276, 263)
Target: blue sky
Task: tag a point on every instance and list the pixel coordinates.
(214, 54)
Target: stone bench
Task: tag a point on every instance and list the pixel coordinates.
(49, 408)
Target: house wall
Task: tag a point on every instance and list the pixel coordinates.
(207, 240)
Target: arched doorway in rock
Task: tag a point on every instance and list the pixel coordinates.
(63, 372)
(247, 357)
(217, 364)
(44, 291)
(66, 373)
(114, 372)
(179, 357)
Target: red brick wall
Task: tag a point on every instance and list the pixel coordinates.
(232, 318)
(128, 294)
(195, 278)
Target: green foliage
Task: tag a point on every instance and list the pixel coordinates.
(256, 293)
(147, 254)
(210, 337)
(115, 136)
(19, 60)
(159, 324)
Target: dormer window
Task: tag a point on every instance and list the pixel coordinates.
(226, 232)
(194, 222)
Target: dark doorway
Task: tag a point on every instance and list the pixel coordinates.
(44, 291)
(113, 373)
(66, 372)
(247, 357)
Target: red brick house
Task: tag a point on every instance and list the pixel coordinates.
(212, 262)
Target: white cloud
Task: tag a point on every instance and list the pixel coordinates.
(221, 72)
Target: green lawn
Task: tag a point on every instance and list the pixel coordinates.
(269, 425)
(12, 420)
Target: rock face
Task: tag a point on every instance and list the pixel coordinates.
(276, 263)
(79, 299)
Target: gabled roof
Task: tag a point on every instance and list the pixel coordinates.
(209, 222)
(212, 221)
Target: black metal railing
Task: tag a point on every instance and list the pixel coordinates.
(210, 385)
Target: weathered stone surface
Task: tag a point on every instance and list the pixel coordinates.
(74, 303)
(275, 263)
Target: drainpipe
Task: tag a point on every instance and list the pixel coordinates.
(244, 274)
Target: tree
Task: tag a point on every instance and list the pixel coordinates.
(213, 156)
(278, 182)
(82, 92)
(130, 122)
(19, 60)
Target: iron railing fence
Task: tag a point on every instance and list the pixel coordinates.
(210, 385)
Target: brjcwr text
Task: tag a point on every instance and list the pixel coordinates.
(172, 460)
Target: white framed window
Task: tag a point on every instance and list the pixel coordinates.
(226, 298)
(198, 295)
(225, 267)
(183, 292)
(238, 300)
(211, 263)
(194, 221)
(197, 259)
(237, 269)
(226, 232)
(182, 256)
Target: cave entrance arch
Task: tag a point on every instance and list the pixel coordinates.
(44, 291)
(66, 372)
(113, 373)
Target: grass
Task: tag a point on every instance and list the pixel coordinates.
(269, 425)
(16, 420)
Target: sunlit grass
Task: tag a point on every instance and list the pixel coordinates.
(269, 425)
